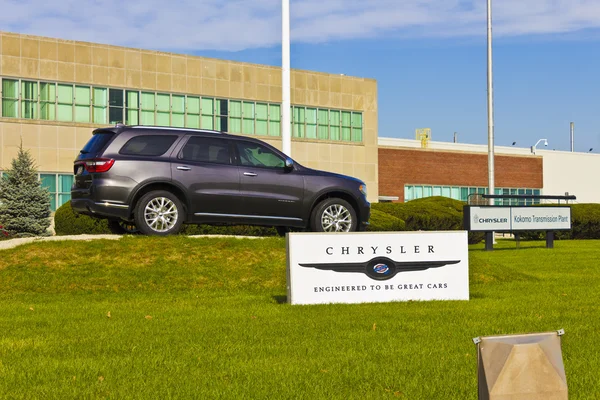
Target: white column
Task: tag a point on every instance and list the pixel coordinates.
(286, 134)
(490, 103)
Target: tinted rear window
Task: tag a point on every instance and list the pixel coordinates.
(148, 145)
(97, 143)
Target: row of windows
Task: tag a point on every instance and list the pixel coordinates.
(87, 104)
(205, 150)
(413, 192)
(59, 186)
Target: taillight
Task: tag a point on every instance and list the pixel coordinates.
(98, 164)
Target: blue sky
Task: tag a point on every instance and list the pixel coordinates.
(428, 56)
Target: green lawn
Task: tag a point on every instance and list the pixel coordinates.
(179, 317)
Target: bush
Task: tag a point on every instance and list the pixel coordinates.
(384, 222)
(585, 221)
(66, 222)
(428, 214)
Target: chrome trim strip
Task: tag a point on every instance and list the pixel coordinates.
(107, 204)
(245, 216)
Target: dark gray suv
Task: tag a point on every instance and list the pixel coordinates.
(155, 179)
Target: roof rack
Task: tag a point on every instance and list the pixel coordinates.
(173, 129)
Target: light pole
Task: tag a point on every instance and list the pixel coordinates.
(490, 101)
(286, 136)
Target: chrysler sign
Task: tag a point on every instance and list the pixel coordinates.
(517, 218)
(377, 267)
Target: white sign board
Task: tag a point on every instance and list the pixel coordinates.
(541, 218)
(490, 218)
(377, 267)
(518, 218)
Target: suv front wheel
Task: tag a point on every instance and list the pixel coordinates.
(334, 215)
(159, 213)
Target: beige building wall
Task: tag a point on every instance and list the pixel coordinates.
(55, 145)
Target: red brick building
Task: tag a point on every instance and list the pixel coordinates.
(407, 171)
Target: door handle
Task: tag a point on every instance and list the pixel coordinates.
(249, 174)
(183, 168)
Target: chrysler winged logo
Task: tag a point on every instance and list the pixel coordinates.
(381, 268)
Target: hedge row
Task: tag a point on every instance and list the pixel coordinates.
(429, 214)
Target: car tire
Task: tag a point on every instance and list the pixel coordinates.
(120, 227)
(159, 213)
(333, 215)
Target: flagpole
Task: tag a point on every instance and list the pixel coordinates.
(286, 136)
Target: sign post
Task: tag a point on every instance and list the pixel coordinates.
(511, 219)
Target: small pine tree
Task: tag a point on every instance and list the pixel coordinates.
(24, 203)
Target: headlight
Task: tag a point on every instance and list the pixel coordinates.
(363, 189)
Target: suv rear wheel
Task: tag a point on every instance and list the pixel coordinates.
(334, 215)
(159, 213)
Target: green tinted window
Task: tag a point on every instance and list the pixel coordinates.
(83, 95)
(249, 115)
(10, 98)
(274, 120)
(29, 97)
(64, 108)
(47, 101)
(311, 123)
(100, 103)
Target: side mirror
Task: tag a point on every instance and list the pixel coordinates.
(289, 164)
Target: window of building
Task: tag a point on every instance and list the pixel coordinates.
(53, 101)
(311, 123)
(148, 105)
(235, 116)
(346, 126)
(193, 112)
(163, 109)
(249, 116)
(323, 124)
(132, 105)
(148, 145)
(298, 122)
(334, 125)
(262, 119)
(357, 134)
(178, 110)
(29, 99)
(64, 100)
(10, 98)
(221, 116)
(100, 104)
(274, 120)
(47, 101)
(115, 106)
(208, 113)
(59, 186)
(83, 101)
(49, 182)
(413, 192)
(209, 150)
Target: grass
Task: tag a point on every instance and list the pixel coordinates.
(206, 318)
